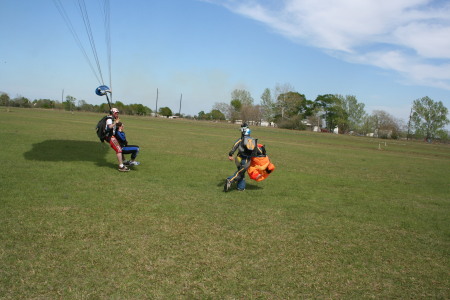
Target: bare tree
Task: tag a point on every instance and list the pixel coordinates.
(251, 114)
(278, 91)
(243, 96)
(385, 124)
(267, 106)
(224, 108)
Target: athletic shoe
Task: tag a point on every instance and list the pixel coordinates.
(124, 169)
(134, 163)
(227, 185)
(241, 190)
(126, 163)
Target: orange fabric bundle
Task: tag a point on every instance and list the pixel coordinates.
(260, 168)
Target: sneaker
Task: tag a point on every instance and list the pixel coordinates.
(134, 163)
(124, 169)
(241, 190)
(227, 185)
(126, 163)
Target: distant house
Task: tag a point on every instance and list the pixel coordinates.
(383, 133)
(306, 123)
(240, 122)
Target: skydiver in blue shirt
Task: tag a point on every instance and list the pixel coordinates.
(126, 149)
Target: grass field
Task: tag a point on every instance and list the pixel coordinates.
(341, 217)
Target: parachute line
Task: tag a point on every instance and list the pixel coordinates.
(106, 13)
(69, 24)
(84, 14)
(87, 26)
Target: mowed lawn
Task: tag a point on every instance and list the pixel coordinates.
(341, 217)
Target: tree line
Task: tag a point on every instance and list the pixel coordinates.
(72, 104)
(286, 108)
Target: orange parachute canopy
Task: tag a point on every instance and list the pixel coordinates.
(260, 167)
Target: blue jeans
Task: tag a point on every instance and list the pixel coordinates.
(131, 149)
(242, 164)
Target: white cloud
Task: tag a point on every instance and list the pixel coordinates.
(411, 37)
(428, 40)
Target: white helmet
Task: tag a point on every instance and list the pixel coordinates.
(245, 131)
(114, 110)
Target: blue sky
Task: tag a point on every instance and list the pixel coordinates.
(386, 53)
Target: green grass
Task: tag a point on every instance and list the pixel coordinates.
(339, 217)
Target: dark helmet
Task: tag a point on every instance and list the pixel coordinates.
(245, 130)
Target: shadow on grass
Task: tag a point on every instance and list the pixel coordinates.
(70, 150)
(248, 185)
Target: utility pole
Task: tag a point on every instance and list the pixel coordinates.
(179, 111)
(156, 111)
(409, 125)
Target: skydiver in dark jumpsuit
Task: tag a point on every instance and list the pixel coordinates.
(246, 146)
